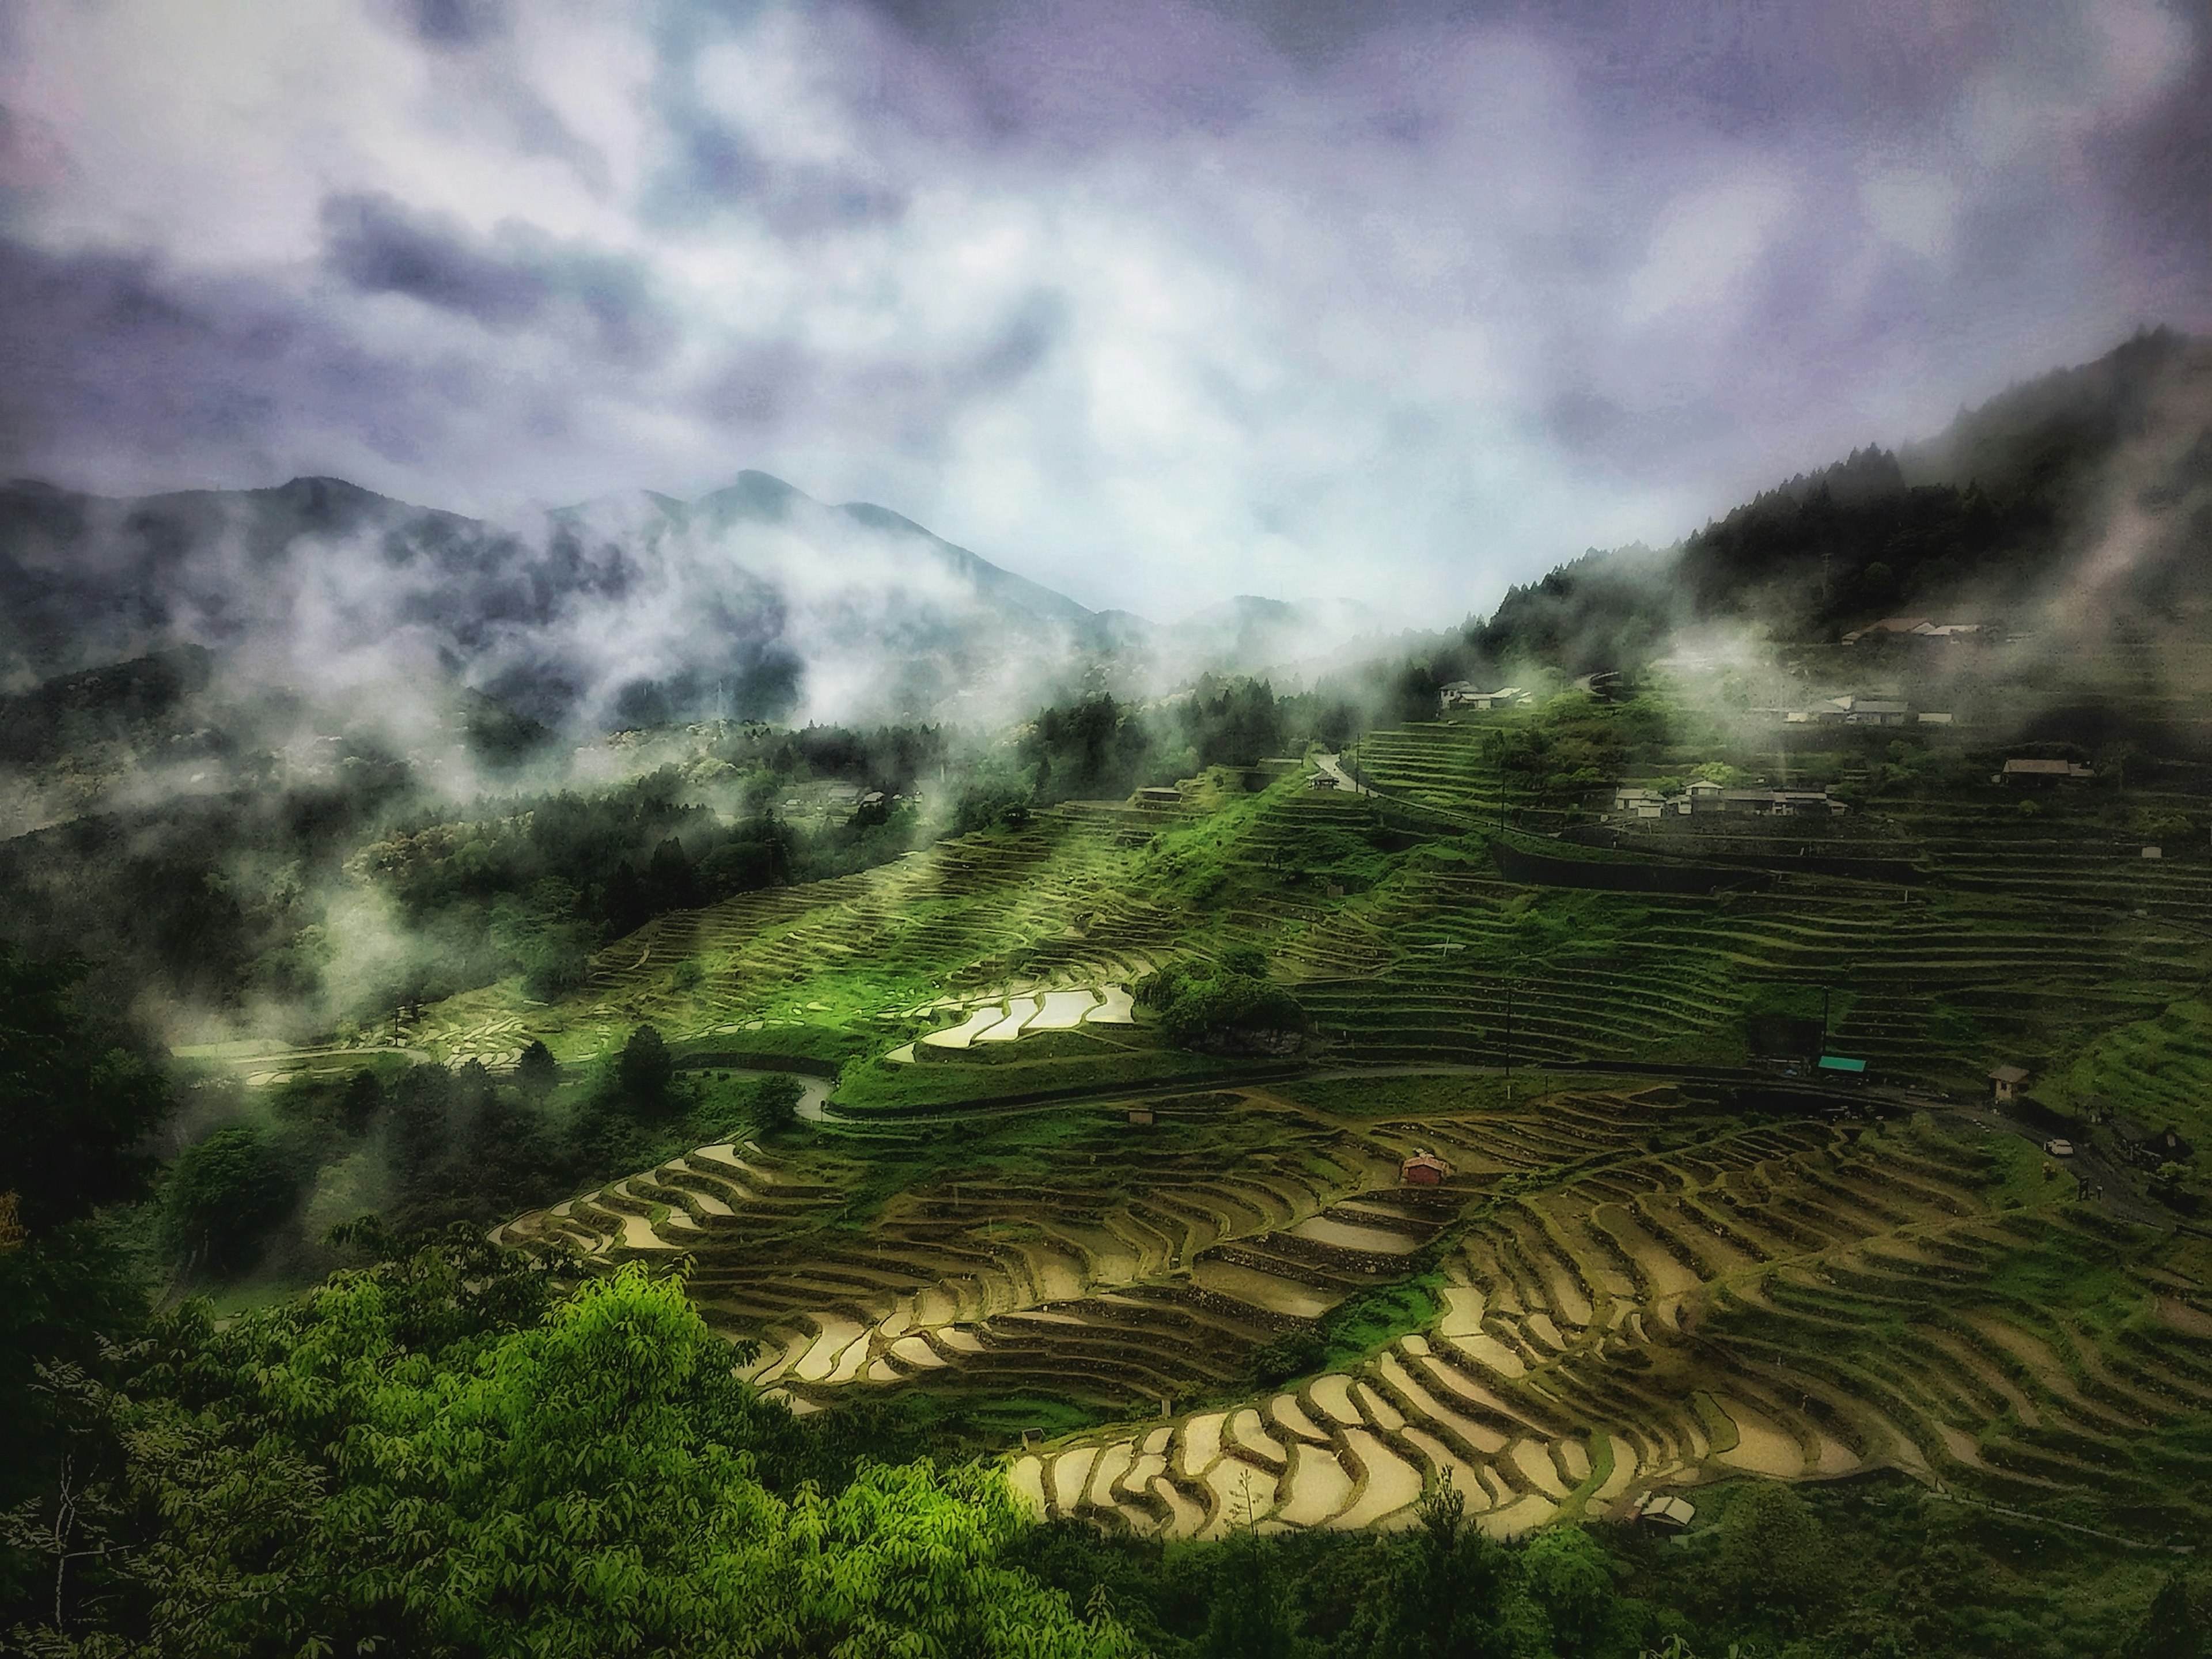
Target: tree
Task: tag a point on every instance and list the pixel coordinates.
(77, 1099)
(1772, 1553)
(775, 1102)
(1568, 1577)
(645, 1068)
(421, 1122)
(1250, 1617)
(583, 1484)
(360, 1102)
(536, 1073)
(1452, 1592)
(2178, 1623)
(227, 1191)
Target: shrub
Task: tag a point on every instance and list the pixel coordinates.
(1294, 1353)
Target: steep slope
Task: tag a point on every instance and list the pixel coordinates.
(2076, 500)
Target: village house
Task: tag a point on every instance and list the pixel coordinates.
(2027, 771)
(2147, 1151)
(1916, 628)
(1777, 803)
(2008, 1083)
(1673, 1513)
(1849, 711)
(1461, 694)
(1640, 802)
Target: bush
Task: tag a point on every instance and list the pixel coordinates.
(1294, 1353)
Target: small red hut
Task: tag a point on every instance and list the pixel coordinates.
(1424, 1170)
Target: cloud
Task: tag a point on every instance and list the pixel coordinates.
(1157, 302)
(379, 247)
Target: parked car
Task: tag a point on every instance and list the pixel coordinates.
(2059, 1148)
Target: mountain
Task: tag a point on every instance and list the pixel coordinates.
(2073, 503)
(755, 601)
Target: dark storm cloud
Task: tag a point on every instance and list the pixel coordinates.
(448, 23)
(379, 247)
(1159, 300)
(114, 355)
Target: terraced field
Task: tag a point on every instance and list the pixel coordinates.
(1619, 1289)
(1135, 1265)
(1631, 1291)
(1795, 1301)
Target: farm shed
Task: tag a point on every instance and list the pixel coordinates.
(1675, 1513)
(1424, 1170)
(1139, 1116)
(2007, 1082)
(1844, 1068)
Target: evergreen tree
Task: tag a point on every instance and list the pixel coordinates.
(537, 1073)
(646, 1069)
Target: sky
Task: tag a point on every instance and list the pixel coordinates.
(1154, 301)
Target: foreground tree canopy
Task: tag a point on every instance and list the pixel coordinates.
(406, 1462)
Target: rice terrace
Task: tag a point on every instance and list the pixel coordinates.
(1189, 1291)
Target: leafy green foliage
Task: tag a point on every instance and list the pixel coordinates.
(645, 1069)
(1215, 1006)
(536, 1073)
(78, 1098)
(394, 1464)
(226, 1193)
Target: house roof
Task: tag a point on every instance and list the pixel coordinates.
(1841, 1063)
(1425, 1161)
(2007, 1074)
(2057, 769)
